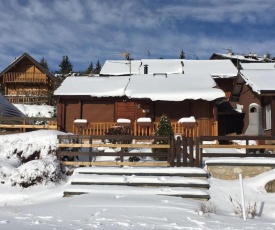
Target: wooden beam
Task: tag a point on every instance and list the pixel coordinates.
(161, 146)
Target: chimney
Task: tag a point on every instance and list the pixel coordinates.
(145, 69)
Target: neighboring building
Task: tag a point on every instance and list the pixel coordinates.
(106, 99)
(222, 71)
(256, 84)
(237, 59)
(25, 81)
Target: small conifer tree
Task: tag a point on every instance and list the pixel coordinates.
(164, 129)
(164, 126)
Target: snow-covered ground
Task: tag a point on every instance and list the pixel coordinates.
(42, 206)
(36, 110)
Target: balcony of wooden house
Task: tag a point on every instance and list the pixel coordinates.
(101, 128)
(28, 99)
(21, 77)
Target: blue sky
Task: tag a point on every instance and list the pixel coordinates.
(91, 30)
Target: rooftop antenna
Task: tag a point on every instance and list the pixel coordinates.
(149, 54)
(229, 50)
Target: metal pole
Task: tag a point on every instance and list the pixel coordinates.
(242, 195)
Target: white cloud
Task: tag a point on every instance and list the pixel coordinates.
(97, 30)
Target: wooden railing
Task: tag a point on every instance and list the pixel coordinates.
(264, 147)
(24, 124)
(25, 77)
(85, 146)
(101, 128)
(182, 151)
(28, 100)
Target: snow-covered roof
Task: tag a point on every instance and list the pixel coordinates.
(216, 68)
(93, 86)
(260, 80)
(256, 66)
(171, 87)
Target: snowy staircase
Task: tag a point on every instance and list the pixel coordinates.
(186, 182)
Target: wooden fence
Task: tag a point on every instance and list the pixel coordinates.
(24, 124)
(101, 128)
(82, 146)
(168, 151)
(182, 151)
(264, 147)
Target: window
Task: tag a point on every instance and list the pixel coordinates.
(268, 116)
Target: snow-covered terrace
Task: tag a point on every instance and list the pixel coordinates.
(216, 68)
(171, 87)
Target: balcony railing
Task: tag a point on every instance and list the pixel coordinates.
(28, 100)
(25, 77)
(100, 128)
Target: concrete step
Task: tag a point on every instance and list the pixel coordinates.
(133, 180)
(186, 182)
(117, 190)
(145, 171)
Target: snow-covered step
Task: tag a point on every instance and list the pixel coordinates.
(145, 171)
(168, 181)
(122, 191)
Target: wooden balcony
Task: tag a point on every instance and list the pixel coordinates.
(19, 77)
(28, 100)
(100, 128)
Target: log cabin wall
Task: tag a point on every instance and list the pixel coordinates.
(173, 109)
(110, 109)
(204, 114)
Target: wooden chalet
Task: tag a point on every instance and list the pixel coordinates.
(103, 100)
(25, 81)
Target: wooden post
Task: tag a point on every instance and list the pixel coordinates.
(172, 150)
(178, 151)
(24, 123)
(184, 151)
(197, 160)
(90, 150)
(191, 151)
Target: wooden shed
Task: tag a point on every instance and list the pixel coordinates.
(104, 100)
(25, 81)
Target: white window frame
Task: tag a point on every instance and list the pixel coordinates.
(268, 116)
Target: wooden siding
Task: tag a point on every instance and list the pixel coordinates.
(203, 112)
(98, 111)
(174, 110)
(103, 111)
(72, 112)
(126, 110)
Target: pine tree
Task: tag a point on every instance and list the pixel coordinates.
(97, 67)
(65, 65)
(44, 63)
(182, 55)
(164, 129)
(90, 69)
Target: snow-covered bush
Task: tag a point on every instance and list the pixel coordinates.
(206, 208)
(250, 209)
(37, 172)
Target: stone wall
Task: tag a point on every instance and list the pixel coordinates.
(232, 171)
